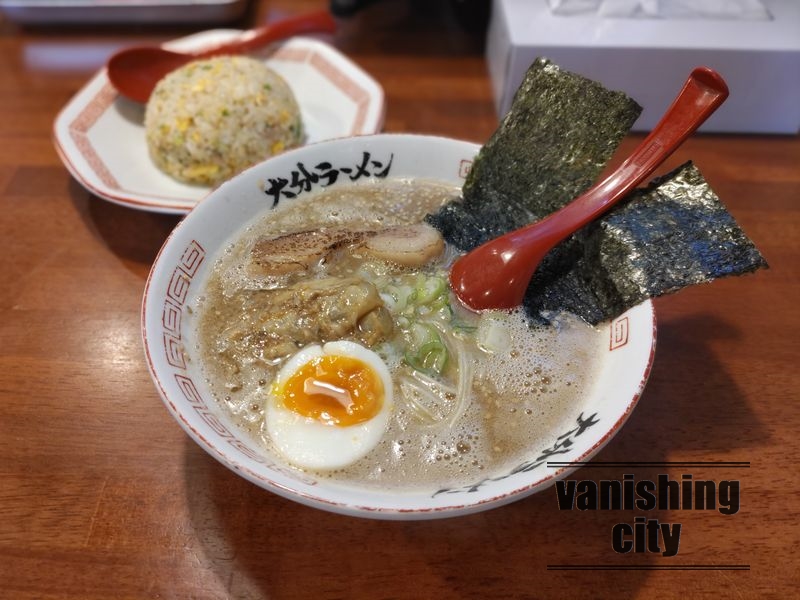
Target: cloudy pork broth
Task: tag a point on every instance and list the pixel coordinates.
(473, 393)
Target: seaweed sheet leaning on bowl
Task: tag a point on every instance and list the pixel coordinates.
(552, 145)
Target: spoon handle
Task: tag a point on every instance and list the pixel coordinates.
(317, 21)
(700, 96)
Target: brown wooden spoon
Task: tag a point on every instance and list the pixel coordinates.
(136, 71)
(497, 273)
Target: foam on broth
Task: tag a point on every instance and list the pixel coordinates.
(524, 395)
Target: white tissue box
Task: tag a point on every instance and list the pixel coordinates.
(649, 59)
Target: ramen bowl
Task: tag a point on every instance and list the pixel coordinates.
(622, 350)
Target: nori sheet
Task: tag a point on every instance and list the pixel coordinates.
(558, 135)
(662, 238)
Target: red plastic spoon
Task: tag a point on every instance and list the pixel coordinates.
(136, 71)
(497, 273)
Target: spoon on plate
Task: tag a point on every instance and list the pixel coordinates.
(136, 71)
(497, 273)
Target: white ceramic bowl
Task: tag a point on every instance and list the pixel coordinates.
(184, 261)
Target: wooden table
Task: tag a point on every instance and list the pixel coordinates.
(103, 496)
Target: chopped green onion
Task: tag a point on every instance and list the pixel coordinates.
(431, 358)
(429, 289)
(431, 353)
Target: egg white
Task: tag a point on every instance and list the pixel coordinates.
(310, 444)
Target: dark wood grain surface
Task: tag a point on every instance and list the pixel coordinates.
(103, 496)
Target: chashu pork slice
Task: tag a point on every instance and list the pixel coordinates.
(296, 252)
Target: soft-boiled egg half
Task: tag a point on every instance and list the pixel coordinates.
(329, 405)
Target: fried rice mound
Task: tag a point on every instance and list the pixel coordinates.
(214, 117)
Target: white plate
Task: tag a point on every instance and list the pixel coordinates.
(100, 136)
(59, 12)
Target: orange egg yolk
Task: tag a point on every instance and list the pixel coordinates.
(335, 390)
